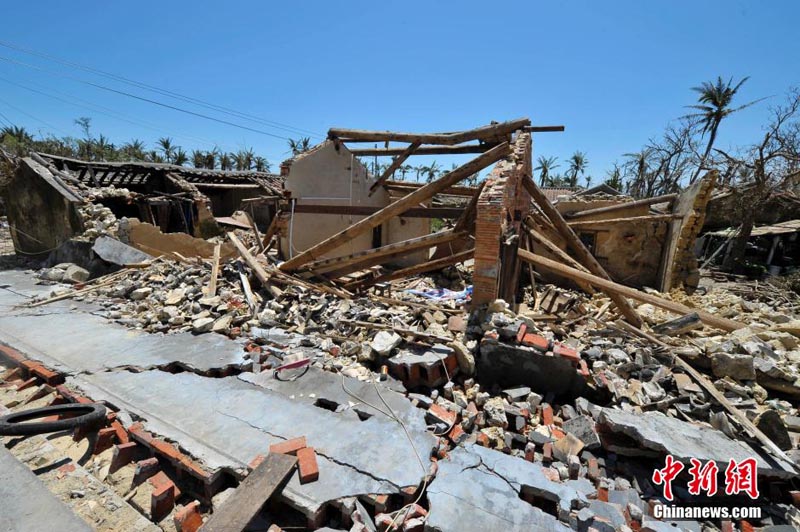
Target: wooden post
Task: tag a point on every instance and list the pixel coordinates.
(562, 255)
(620, 291)
(584, 256)
(398, 207)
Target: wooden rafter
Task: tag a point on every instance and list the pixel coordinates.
(622, 206)
(414, 270)
(490, 132)
(396, 163)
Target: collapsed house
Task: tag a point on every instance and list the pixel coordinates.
(310, 370)
(54, 199)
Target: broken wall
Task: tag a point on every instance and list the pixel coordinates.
(42, 210)
(331, 175)
(502, 206)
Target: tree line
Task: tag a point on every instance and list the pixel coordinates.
(18, 141)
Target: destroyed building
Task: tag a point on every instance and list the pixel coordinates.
(304, 352)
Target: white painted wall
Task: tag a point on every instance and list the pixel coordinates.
(327, 176)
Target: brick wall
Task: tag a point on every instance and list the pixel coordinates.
(502, 206)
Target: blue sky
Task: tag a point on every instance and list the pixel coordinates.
(614, 73)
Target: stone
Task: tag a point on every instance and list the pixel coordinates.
(75, 274)
(141, 293)
(168, 313)
(495, 412)
(517, 394)
(385, 341)
(583, 427)
(770, 423)
(738, 367)
(464, 357)
(52, 274)
(202, 325)
(222, 324)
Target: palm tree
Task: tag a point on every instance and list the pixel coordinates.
(261, 164)
(404, 169)
(299, 146)
(225, 161)
(714, 105)
(577, 165)
(198, 158)
(167, 148)
(17, 133)
(639, 162)
(544, 165)
(432, 171)
(180, 157)
(103, 148)
(134, 150)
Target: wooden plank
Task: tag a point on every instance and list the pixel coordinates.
(399, 330)
(680, 325)
(408, 186)
(359, 210)
(577, 247)
(271, 230)
(256, 233)
(212, 283)
(406, 245)
(258, 269)
(251, 495)
(398, 207)
(622, 206)
(489, 132)
(413, 270)
(709, 388)
(632, 219)
(424, 150)
(396, 163)
(610, 287)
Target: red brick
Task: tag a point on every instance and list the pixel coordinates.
(50, 377)
(442, 414)
(13, 354)
(602, 494)
(483, 439)
(188, 518)
(162, 501)
(727, 525)
(307, 465)
(547, 414)
(255, 462)
(566, 352)
(593, 469)
(105, 439)
(521, 333)
(288, 446)
(457, 434)
(123, 455)
(161, 481)
(27, 384)
(745, 526)
(119, 430)
(540, 343)
(583, 368)
(795, 496)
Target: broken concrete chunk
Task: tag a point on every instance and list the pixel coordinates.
(567, 446)
(583, 428)
(385, 341)
(495, 412)
(738, 367)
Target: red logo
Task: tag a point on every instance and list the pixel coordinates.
(739, 477)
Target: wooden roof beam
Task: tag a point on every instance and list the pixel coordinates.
(490, 132)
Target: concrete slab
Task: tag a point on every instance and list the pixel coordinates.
(655, 432)
(226, 422)
(480, 489)
(77, 341)
(26, 504)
